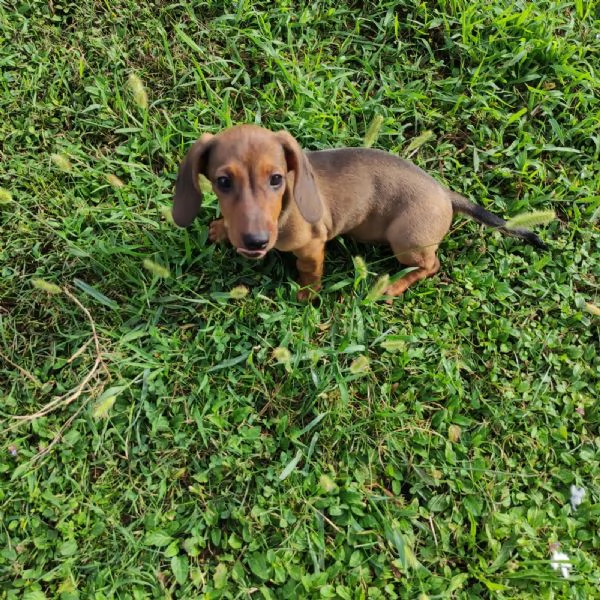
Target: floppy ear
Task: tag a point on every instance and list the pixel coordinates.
(305, 192)
(188, 196)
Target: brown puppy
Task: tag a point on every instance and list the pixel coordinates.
(274, 195)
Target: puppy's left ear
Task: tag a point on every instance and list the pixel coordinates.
(305, 192)
(188, 196)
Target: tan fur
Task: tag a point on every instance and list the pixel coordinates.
(368, 194)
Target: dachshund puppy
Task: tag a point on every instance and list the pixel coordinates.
(272, 194)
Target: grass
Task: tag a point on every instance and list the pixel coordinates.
(221, 444)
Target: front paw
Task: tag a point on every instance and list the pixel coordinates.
(309, 293)
(217, 232)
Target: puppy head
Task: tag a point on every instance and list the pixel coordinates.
(253, 171)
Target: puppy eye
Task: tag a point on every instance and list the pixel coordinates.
(275, 180)
(224, 183)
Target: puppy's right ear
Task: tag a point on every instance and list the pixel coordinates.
(188, 196)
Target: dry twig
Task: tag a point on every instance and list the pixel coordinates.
(76, 392)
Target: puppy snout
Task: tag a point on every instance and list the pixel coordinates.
(256, 241)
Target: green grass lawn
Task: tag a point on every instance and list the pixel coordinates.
(185, 440)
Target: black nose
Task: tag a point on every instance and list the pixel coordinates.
(256, 241)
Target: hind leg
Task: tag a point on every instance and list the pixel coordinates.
(415, 236)
(426, 262)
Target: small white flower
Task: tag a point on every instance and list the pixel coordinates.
(561, 561)
(577, 495)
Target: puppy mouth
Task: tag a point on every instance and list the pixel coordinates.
(254, 254)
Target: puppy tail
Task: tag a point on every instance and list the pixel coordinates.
(478, 213)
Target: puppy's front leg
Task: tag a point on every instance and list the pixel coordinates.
(310, 268)
(217, 231)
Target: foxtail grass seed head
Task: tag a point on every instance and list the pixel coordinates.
(327, 485)
(313, 356)
(436, 474)
(114, 181)
(592, 309)
(205, 184)
(392, 344)
(361, 268)
(282, 356)
(359, 365)
(138, 90)
(46, 286)
(378, 288)
(373, 131)
(417, 142)
(62, 162)
(239, 292)
(102, 408)
(156, 269)
(454, 432)
(167, 214)
(531, 219)
(5, 196)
